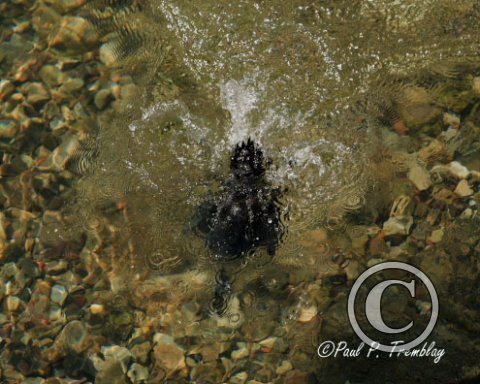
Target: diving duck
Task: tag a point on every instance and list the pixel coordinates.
(245, 214)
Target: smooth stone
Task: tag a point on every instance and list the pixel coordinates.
(419, 177)
(52, 75)
(58, 294)
(74, 336)
(56, 314)
(97, 309)
(60, 157)
(436, 236)
(239, 378)
(6, 89)
(284, 367)
(167, 354)
(454, 168)
(8, 128)
(307, 314)
(119, 354)
(13, 303)
(107, 54)
(162, 338)
(398, 225)
(66, 5)
(111, 373)
(36, 93)
(102, 98)
(269, 342)
(141, 351)
(72, 85)
(74, 34)
(137, 373)
(463, 189)
(467, 214)
(44, 19)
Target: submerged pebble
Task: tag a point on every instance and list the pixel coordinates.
(73, 33)
(8, 128)
(58, 294)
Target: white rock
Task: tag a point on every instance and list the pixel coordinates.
(13, 303)
(419, 177)
(398, 225)
(120, 354)
(436, 236)
(58, 294)
(454, 168)
(269, 342)
(467, 214)
(463, 189)
(307, 314)
(137, 373)
(56, 314)
(97, 309)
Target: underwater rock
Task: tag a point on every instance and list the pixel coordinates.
(6, 89)
(476, 85)
(8, 128)
(434, 151)
(239, 378)
(398, 225)
(245, 215)
(463, 189)
(74, 336)
(417, 108)
(102, 98)
(137, 373)
(36, 93)
(58, 294)
(454, 169)
(73, 34)
(168, 355)
(66, 5)
(450, 119)
(52, 75)
(284, 367)
(419, 177)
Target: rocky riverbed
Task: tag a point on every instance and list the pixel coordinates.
(82, 303)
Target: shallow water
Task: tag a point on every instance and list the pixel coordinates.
(342, 97)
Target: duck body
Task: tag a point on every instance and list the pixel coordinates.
(245, 214)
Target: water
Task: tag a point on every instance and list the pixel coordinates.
(343, 97)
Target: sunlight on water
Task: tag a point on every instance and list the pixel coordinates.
(329, 92)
